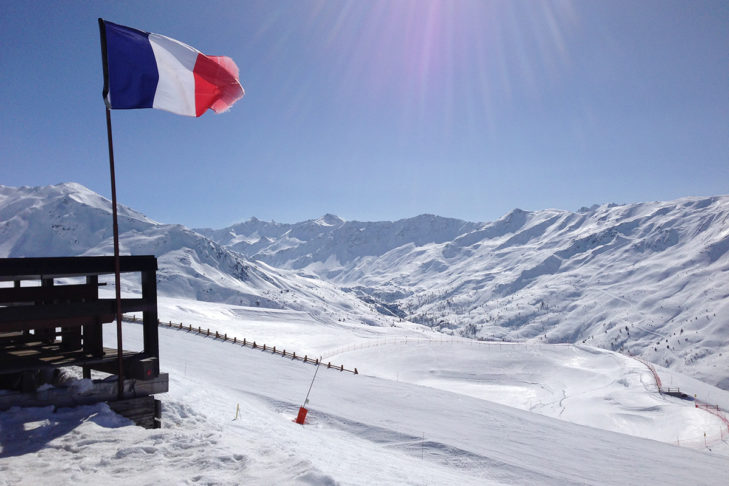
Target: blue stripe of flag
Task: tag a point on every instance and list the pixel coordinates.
(133, 74)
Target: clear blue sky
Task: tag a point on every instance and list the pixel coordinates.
(380, 110)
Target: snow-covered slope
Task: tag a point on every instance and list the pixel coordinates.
(384, 426)
(649, 279)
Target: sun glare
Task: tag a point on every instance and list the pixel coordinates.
(446, 59)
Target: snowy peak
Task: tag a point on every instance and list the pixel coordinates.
(61, 196)
(245, 233)
(65, 219)
(329, 220)
(331, 239)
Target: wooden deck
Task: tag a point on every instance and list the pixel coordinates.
(48, 322)
(16, 357)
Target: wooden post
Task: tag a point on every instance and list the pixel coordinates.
(150, 317)
(92, 337)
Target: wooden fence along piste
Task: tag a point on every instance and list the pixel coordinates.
(250, 344)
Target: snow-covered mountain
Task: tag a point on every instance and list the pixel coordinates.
(424, 407)
(649, 278)
(69, 220)
(329, 245)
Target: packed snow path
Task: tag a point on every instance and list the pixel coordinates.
(361, 430)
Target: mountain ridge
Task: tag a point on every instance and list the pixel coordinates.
(70, 220)
(614, 276)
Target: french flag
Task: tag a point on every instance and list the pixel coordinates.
(143, 70)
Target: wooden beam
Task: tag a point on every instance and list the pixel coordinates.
(17, 295)
(143, 411)
(100, 392)
(20, 318)
(150, 318)
(14, 269)
(20, 357)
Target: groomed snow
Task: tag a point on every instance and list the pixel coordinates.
(579, 384)
(419, 413)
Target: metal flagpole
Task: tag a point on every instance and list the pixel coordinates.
(117, 271)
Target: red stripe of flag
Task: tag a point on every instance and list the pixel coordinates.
(216, 83)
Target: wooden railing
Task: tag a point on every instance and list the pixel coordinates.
(206, 332)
